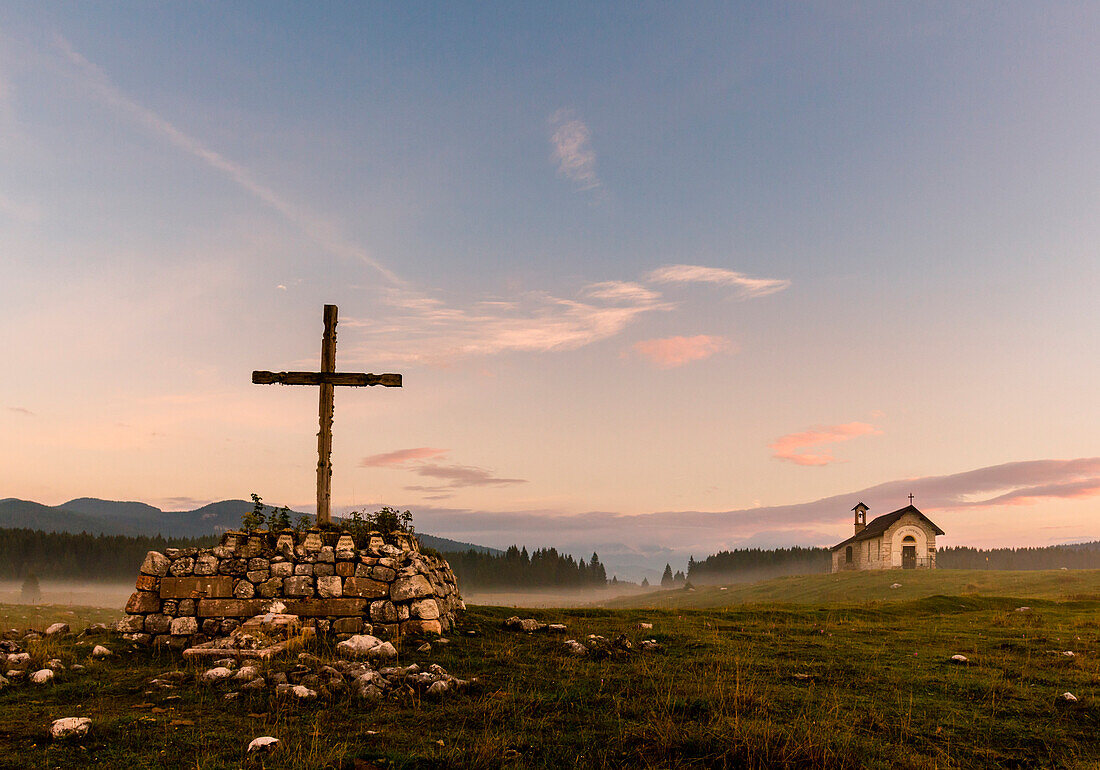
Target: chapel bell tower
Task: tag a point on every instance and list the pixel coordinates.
(861, 517)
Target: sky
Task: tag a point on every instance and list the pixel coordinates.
(661, 279)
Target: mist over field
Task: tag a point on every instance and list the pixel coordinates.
(81, 593)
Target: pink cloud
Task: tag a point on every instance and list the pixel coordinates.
(790, 447)
(747, 287)
(401, 456)
(461, 476)
(671, 352)
(419, 328)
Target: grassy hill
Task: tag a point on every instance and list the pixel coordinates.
(863, 587)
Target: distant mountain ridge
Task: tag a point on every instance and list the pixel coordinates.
(109, 517)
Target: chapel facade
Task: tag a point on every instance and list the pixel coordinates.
(903, 539)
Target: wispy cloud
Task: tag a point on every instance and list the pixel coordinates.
(454, 476)
(570, 142)
(461, 476)
(791, 447)
(401, 456)
(22, 410)
(747, 288)
(420, 328)
(309, 223)
(670, 352)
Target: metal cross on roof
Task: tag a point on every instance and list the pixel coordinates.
(910, 498)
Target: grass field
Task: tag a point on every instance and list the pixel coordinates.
(870, 587)
(816, 684)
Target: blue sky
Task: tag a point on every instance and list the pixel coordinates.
(626, 257)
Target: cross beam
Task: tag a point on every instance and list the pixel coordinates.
(326, 379)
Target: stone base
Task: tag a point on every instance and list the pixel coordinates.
(320, 578)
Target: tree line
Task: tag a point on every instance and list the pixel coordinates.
(744, 564)
(1078, 556)
(71, 556)
(516, 569)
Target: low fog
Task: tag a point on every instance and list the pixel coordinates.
(77, 593)
(114, 595)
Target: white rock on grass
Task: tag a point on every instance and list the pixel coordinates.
(384, 651)
(1067, 697)
(358, 646)
(301, 692)
(1069, 654)
(216, 674)
(247, 673)
(42, 677)
(960, 658)
(19, 661)
(437, 688)
(1023, 609)
(895, 585)
(573, 647)
(70, 727)
(263, 745)
(99, 652)
(58, 629)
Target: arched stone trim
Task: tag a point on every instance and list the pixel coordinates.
(920, 540)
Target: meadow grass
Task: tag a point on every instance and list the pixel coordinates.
(760, 685)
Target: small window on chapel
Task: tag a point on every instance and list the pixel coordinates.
(848, 554)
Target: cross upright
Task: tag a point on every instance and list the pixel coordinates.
(910, 498)
(326, 379)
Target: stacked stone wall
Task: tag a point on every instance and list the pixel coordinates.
(189, 595)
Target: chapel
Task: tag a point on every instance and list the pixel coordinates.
(904, 539)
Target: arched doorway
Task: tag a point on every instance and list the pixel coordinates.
(908, 552)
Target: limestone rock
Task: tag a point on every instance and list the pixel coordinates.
(575, 648)
(414, 587)
(960, 659)
(142, 602)
(155, 564)
(183, 627)
(426, 609)
(99, 652)
(526, 625)
(19, 661)
(70, 727)
(206, 564)
(263, 745)
(216, 674)
(358, 646)
(247, 673)
(181, 567)
(58, 629)
(298, 586)
(157, 624)
(130, 624)
(301, 692)
(42, 676)
(330, 587)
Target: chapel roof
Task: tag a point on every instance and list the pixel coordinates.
(880, 524)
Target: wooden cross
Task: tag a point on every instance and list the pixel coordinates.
(326, 379)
